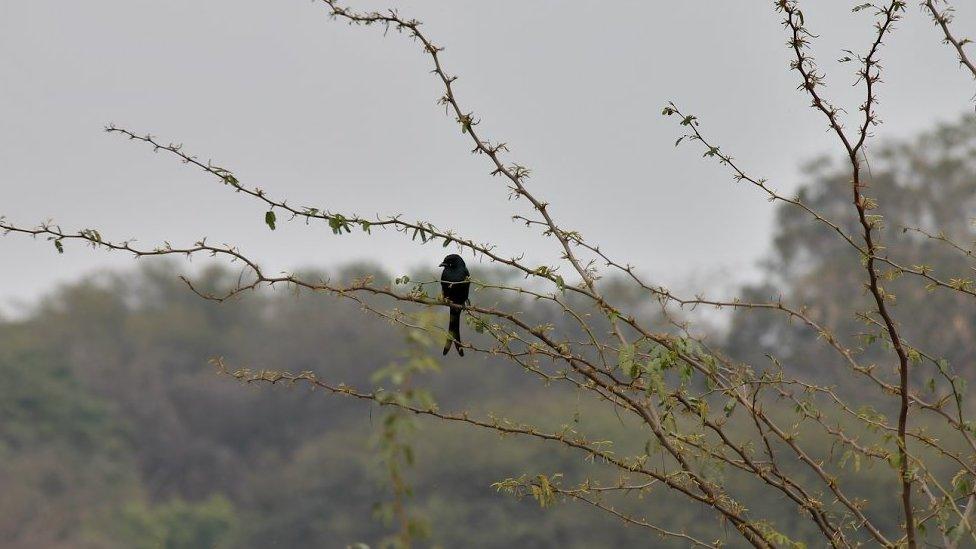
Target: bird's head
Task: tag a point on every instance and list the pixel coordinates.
(452, 261)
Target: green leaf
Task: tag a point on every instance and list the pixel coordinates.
(466, 123)
(338, 223)
(914, 356)
(962, 483)
(59, 246)
(625, 357)
(269, 219)
(729, 406)
(560, 282)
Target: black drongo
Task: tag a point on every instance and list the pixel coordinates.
(455, 286)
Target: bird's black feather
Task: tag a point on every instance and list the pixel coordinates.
(455, 287)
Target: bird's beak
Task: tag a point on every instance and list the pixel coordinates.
(442, 264)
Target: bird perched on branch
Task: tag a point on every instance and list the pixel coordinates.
(455, 287)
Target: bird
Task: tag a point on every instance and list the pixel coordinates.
(455, 287)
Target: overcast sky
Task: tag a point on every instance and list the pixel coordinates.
(345, 119)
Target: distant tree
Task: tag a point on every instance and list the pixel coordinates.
(728, 436)
(928, 190)
(63, 459)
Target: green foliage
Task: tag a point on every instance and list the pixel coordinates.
(62, 448)
(178, 524)
(338, 223)
(393, 443)
(42, 403)
(299, 468)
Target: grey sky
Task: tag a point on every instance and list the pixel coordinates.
(345, 118)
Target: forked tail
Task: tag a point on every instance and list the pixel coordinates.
(454, 328)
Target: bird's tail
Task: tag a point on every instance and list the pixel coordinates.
(454, 328)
